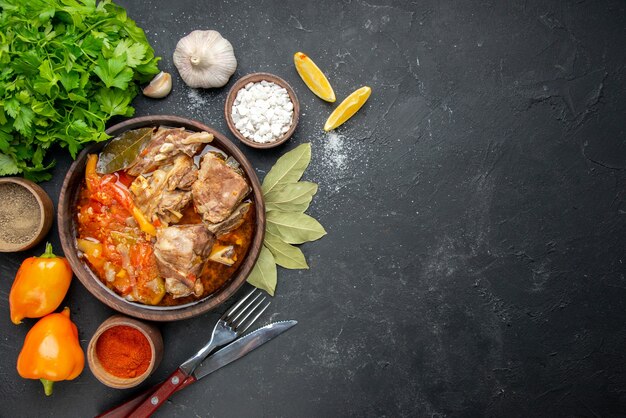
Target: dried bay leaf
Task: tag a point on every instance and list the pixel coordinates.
(286, 199)
(264, 275)
(122, 150)
(285, 255)
(289, 168)
(294, 227)
(293, 197)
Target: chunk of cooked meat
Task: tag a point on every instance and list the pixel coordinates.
(171, 205)
(231, 223)
(182, 173)
(179, 290)
(181, 252)
(165, 193)
(165, 145)
(219, 188)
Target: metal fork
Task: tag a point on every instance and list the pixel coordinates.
(231, 325)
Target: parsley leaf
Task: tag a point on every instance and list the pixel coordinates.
(7, 166)
(24, 121)
(114, 102)
(114, 72)
(69, 79)
(66, 67)
(134, 52)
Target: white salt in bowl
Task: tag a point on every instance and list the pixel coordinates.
(255, 78)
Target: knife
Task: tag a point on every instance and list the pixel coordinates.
(233, 351)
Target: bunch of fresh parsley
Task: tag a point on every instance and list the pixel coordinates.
(66, 67)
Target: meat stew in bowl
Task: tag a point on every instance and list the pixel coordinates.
(164, 222)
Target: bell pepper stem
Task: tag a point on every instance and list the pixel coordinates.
(47, 386)
(48, 253)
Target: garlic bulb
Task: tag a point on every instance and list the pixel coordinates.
(205, 59)
(159, 87)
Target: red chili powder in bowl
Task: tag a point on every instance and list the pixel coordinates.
(124, 351)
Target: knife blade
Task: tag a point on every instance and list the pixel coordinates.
(241, 347)
(233, 351)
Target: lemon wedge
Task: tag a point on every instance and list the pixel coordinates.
(347, 108)
(313, 77)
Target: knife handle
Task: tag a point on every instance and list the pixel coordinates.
(158, 397)
(126, 409)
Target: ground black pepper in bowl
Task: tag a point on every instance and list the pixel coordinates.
(25, 214)
(19, 215)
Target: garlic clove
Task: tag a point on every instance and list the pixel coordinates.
(205, 59)
(159, 87)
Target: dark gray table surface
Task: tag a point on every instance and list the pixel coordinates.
(475, 210)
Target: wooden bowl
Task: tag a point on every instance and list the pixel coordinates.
(46, 210)
(152, 334)
(255, 78)
(67, 228)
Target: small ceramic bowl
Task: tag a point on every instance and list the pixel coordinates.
(255, 78)
(46, 211)
(152, 334)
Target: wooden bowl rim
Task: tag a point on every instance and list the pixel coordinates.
(255, 78)
(159, 313)
(155, 340)
(46, 211)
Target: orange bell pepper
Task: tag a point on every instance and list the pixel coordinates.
(51, 351)
(91, 177)
(143, 222)
(40, 286)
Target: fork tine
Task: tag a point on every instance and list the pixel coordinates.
(253, 320)
(238, 323)
(233, 308)
(243, 310)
